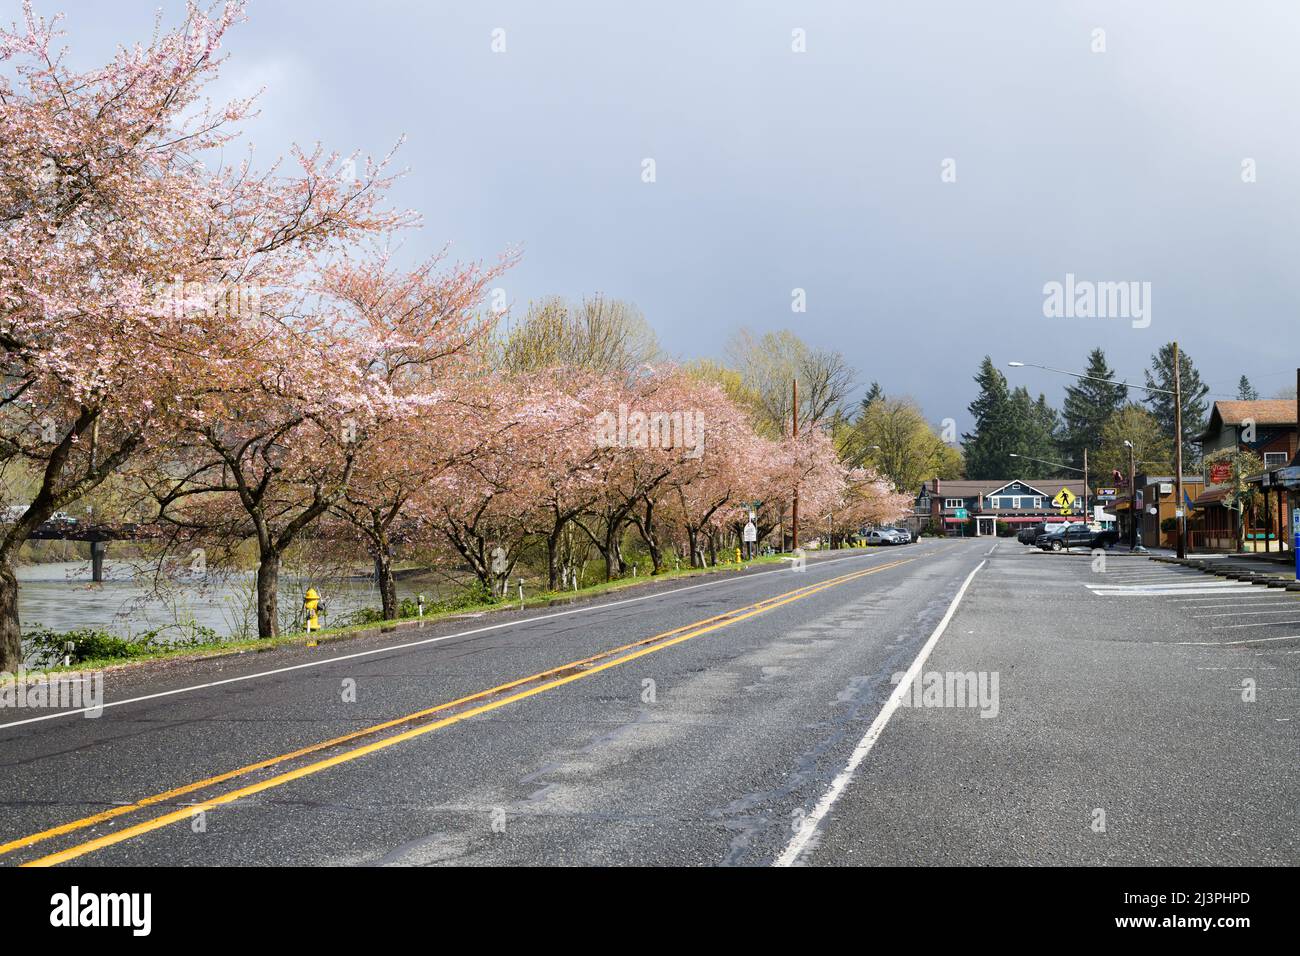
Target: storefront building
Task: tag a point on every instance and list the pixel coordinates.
(978, 507)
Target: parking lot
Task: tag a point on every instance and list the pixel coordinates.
(1147, 716)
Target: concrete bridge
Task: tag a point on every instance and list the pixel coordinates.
(65, 529)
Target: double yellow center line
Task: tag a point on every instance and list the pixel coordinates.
(426, 721)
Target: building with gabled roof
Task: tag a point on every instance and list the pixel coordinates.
(1012, 501)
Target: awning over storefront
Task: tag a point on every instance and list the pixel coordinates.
(1011, 519)
(1212, 496)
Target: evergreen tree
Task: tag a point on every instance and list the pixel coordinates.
(1162, 403)
(996, 435)
(1047, 430)
(873, 393)
(1245, 391)
(1089, 404)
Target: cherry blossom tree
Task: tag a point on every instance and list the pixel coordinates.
(426, 348)
(125, 250)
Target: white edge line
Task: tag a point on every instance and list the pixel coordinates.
(808, 826)
(429, 640)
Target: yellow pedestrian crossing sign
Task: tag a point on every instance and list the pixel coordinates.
(1064, 500)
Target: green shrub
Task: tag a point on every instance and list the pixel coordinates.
(470, 597)
(51, 647)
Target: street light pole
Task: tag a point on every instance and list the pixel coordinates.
(1178, 458)
(1135, 530)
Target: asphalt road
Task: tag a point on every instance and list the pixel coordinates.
(707, 723)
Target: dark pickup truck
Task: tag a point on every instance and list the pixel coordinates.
(1031, 533)
(1078, 536)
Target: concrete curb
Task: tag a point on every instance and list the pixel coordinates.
(1261, 578)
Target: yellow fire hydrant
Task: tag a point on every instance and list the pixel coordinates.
(310, 608)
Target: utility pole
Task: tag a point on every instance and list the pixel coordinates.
(1086, 519)
(1132, 498)
(1178, 457)
(794, 512)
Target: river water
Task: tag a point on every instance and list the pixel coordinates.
(62, 597)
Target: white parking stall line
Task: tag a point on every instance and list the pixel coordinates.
(1173, 587)
(1249, 640)
(1254, 593)
(1211, 607)
(1289, 610)
(1226, 627)
(1145, 578)
(1151, 592)
(1208, 587)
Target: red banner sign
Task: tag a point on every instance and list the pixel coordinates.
(1221, 473)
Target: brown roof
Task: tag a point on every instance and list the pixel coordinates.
(1265, 411)
(963, 488)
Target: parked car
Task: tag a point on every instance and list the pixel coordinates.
(904, 536)
(1078, 536)
(1044, 528)
(883, 536)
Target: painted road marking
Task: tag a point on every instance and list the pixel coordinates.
(1290, 610)
(428, 640)
(367, 731)
(607, 660)
(1251, 640)
(1171, 588)
(1237, 601)
(1226, 627)
(1155, 593)
(808, 826)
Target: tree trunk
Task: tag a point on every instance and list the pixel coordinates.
(692, 545)
(553, 559)
(11, 642)
(387, 586)
(646, 525)
(268, 606)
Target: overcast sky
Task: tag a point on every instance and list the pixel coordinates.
(821, 170)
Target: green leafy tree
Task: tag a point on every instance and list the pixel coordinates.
(892, 436)
(1242, 498)
(769, 363)
(1153, 450)
(1161, 376)
(1245, 391)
